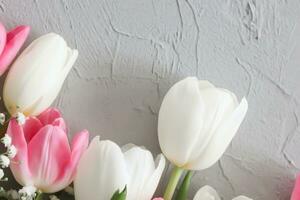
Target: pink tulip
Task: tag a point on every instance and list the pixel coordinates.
(158, 198)
(10, 44)
(296, 191)
(45, 159)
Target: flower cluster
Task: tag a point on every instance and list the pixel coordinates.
(196, 123)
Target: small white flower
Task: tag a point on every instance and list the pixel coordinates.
(2, 118)
(4, 161)
(6, 140)
(53, 197)
(20, 117)
(1, 174)
(11, 151)
(27, 192)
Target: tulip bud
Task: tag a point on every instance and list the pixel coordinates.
(37, 75)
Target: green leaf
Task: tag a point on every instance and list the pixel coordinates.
(120, 196)
(184, 187)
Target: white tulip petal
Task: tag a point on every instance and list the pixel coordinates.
(204, 84)
(219, 104)
(180, 119)
(101, 172)
(221, 138)
(153, 181)
(207, 193)
(241, 198)
(140, 165)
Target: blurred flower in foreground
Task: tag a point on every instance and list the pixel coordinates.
(45, 159)
(105, 169)
(296, 191)
(37, 75)
(10, 44)
(209, 193)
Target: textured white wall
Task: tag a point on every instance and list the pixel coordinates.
(132, 51)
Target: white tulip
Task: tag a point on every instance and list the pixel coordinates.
(37, 75)
(209, 193)
(104, 169)
(197, 122)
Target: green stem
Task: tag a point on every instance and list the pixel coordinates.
(39, 196)
(175, 177)
(184, 188)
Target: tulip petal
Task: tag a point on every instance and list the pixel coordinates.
(140, 164)
(2, 39)
(221, 138)
(241, 198)
(31, 127)
(204, 84)
(19, 166)
(15, 40)
(101, 171)
(153, 181)
(79, 145)
(60, 122)
(49, 155)
(296, 191)
(180, 119)
(49, 116)
(71, 56)
(219, 104)
(207, 193)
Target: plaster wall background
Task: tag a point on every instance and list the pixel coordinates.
(132, 51)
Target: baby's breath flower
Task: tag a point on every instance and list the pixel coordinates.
(11, 151)
(2, 118)
(21, 119)
(6, 140)
(1, 174)
(27, 193)
(4, 161)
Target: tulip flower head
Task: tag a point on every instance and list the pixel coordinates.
(44, 158)
(209, 193)
(105, 169)
(197, 122)
(10, 44)
(37, 75)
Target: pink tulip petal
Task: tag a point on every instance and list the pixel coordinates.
(296, 191)
(49, 152)
(80, 143)
(60, 122)
(2, 38)
(49, 116)
(19, 166)
(31, 127)
(15, 40)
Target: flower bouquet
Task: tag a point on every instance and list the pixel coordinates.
(196, 123)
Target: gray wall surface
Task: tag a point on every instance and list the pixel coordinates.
(132, 51)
